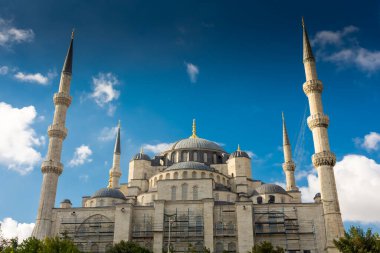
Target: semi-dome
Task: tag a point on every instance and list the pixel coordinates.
(141, 156)
(270, 188)
(189, 165)
(109, 193)
(196, 143)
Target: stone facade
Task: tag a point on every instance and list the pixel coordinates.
(195, 193)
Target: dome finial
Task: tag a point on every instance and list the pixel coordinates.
(238, 149)
(194, 135)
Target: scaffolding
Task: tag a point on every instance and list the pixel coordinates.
(93, 234)
(281, 226)
(186, 230)
(225, 228)
(142, 231)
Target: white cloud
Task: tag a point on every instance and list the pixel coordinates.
(18, 139)
(157, 148)
(251, 154)
(108, 134)
(371, 141)
(192, 71)
(10, 35)
(4, 70)
(104, 91)
(357, 179)
(345, 49)
(81, 155)
(11, 229)
(32, 78)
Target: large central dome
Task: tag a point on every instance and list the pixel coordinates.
(195, 144)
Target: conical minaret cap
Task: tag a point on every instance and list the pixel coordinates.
(117, 143)
(68, 65)
(307, 51)
(285, 137)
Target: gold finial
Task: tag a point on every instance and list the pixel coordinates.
(194, 135)
(110, 183)
(303, 22)
(141, 150)
(72, 33)
(238, 149)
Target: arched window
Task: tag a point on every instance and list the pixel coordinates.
(173, 157)
(184, 174)
(108, 246)
(184, 191)
(194, 174)
(160, 177)
(224, 181)
(185, 156)
(259, 200)
(167, 176)
(219, 247)
(195, 192)
(175, 175)
(218, 179)
(174, 193)
(271, 199)
(203, 175)
(205, 157)
(211, 175)
(195, 156)
(231, 247)
(94, 247)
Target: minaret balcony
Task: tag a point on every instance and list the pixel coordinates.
(52, 167)
(312, 86)
(61, 98)
(324, 158)
(318, 120)
(56, 130)
(288, 166)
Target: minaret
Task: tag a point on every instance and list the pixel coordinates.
(288, 165)
(52, 167)
(115, 172)
(323, 159)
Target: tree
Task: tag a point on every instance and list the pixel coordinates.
(127, 247)
(356, 241)
(266, 247)
(33, 245)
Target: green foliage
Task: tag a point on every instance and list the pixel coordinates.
(356, 241)
(33, 245)
(127, 247)
(266, 247)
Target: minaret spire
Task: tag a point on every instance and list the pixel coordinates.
(323, 159)
(52, 167)
(288, 165)
(115, 171)
(194, 135)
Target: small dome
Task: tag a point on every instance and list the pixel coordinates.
(66, 201)
(141, 156)
(239, 154)
(318, 195)
(270, 188)
(196, 143)
(189, 165)
(109, 193)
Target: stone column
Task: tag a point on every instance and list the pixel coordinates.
(208, 223)
(123, 223)
(244, 224)
(158, 232)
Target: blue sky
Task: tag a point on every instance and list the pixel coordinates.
(156, 65)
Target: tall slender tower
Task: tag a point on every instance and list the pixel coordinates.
(323, 159)
(288, 165)
(52, 167)
(115, 172)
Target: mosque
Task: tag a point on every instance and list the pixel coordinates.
(195, 194)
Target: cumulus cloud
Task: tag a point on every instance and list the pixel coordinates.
(157, 148)
(108, 134)
(10, 35)
(341, 48)
(357, 179)
(11, 229)
(193, 71)
(81, 156)
(4, 70)
(18, 140)
(31, 78)
(371, 141)
(104, 88)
